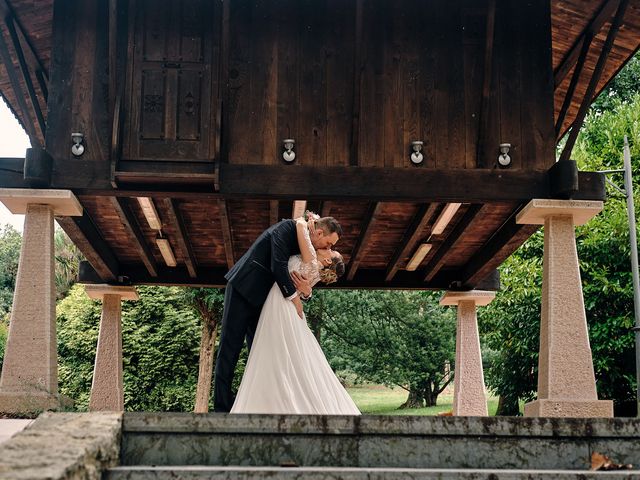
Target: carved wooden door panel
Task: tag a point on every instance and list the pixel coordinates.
(170, 103)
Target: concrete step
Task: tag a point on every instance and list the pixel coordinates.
(322, 473)
(374, 442)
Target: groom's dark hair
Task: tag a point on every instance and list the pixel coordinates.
(329, 225)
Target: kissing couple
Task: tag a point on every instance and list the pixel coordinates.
(287, 371)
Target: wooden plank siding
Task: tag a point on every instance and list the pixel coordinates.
(211, 89)
(421, 83)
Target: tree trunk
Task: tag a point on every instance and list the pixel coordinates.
(508, 407)
(205, 371)
(415, 399)
(430, 395)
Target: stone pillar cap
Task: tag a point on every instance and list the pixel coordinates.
(63, 202)
(479, 297)
(535, 212)
(97, 292)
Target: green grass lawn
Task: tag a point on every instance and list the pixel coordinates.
(380, 400)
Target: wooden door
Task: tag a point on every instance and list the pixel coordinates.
(172, 100)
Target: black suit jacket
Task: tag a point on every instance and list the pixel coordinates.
(266, 262)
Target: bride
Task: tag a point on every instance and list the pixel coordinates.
(287, 372)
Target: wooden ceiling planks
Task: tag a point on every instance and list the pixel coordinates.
(33, 22)
(570, 19)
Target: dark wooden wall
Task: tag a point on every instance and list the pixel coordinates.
(353, 81)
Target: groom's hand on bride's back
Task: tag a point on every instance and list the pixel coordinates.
(301, 283)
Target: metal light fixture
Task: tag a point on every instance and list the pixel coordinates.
(416, 155)
(504, 160)
(289, 155)
(150, 213)
(418, 256)
(445, 217)
(77, 149)
(165, 250)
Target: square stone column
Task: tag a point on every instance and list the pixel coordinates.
(29, 380)
(469, 397)
(566, 380)
(106, 389)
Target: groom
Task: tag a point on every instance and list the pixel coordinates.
(249, 283)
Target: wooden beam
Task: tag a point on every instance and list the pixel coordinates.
(213, 277)
(593, 83)
(399, 184)
(130, 224)
(274, 212)
(413, 234)
(366, 231)
(444, 249)
(593, 27)
(575, 78)
(502, 244)
(27, 121)
(486, 83)
(274, 182)
(86, 236)
(226, 232)
(26, 76)
(169, 276)
(174, 217)
(164, 170)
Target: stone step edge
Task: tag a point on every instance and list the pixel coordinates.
(178, 469)
(366, 425)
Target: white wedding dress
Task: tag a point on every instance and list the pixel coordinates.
(287, 372)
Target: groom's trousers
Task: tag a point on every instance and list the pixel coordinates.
(239, 322)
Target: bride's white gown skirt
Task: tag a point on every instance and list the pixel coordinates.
(287, 372)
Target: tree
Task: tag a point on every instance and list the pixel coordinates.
(510, 326)
(395, 338)
(160, 348)
(10, 242)
(621, 89)
(67, 258)
(208, 302)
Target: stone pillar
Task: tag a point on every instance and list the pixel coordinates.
(566, 380)
(29, 380)
(469, 397)
(106, 389)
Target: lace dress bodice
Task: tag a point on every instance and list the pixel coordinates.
(310, 270)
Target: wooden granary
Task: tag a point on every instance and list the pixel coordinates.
(183, 108)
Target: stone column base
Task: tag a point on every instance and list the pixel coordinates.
(569, 408)
(22, 402)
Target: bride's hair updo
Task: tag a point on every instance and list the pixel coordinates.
(333, 272)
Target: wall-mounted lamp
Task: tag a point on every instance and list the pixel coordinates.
(165, 250)
(77, 149)
(150, 213)
(289, 155)
(504, 160)
(417, 258)
(416, 155)
(445, 217)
